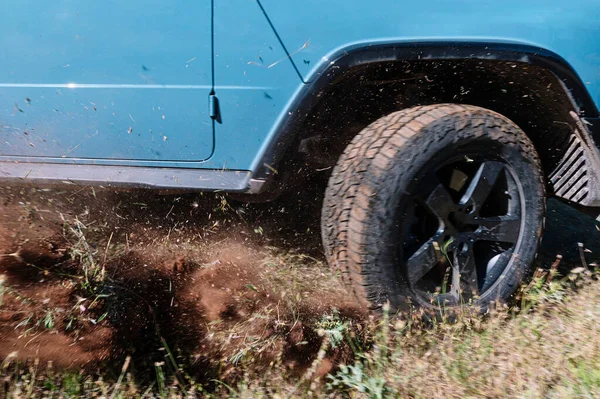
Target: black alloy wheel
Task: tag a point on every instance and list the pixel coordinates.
(438, 205)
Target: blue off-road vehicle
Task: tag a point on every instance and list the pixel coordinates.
(444, 124)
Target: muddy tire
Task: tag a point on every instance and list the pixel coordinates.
(435, 205)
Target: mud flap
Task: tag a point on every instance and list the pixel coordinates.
(576, 178)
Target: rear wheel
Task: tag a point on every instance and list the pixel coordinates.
(439, 205)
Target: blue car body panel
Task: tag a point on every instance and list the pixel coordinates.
(313, 30)
(128, 83)
(117, 82)
(254, 79)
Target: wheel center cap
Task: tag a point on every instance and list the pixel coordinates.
(457, 218)
(461, 221)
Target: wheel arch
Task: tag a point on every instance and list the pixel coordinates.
(532, 86)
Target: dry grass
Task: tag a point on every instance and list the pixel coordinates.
(285, 338)
(550, 350)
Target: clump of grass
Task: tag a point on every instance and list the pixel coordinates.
(550, 287)
(85, 254)
(3, 288)
(294, 276)
(366, 376)
(333, 327)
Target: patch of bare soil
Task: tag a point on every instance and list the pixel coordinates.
(190, 279)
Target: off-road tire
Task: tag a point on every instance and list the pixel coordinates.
(360, 205)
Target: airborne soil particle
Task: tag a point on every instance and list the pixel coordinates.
(195, 272)
(187, 271)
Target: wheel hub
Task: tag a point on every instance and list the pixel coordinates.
(473, 213)
(457, 225)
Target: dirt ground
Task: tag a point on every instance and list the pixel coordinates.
(194, 277)
(202, 278)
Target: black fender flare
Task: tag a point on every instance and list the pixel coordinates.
(286, 131)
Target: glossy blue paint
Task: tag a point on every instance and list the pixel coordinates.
(109, 82)
(254, 79)
(313, 30)
(127, 82)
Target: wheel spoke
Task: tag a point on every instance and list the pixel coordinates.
(422, 261)
(494, 268)
(498, 228)
(464, 275)
(482, 183)
(440, 201)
